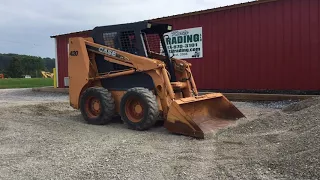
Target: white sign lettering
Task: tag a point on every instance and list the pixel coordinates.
(108, 51)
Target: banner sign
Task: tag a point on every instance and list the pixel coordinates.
(184, 43)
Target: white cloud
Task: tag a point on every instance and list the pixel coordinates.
(26, 25)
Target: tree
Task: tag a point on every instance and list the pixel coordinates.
(4, 61)
(49, 64)
(38, 66)
(30, 65)
(14, 70)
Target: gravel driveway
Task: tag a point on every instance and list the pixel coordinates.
(42, 137)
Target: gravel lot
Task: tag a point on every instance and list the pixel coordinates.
(42, 137)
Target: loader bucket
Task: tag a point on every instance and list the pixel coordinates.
(201, 115)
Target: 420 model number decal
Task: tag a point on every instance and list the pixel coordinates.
(74, 53)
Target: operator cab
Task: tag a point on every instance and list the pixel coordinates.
(139, 38)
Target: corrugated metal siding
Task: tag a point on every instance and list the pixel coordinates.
(62, 55)
(272, 45)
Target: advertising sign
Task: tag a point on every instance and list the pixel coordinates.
(184, 43)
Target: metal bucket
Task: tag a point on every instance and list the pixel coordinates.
(201, 115)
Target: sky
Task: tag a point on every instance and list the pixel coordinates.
(26, 25)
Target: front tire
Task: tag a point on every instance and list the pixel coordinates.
(139, 109)
(97, 106)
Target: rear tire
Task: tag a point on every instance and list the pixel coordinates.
(139, 109)
(97, 106)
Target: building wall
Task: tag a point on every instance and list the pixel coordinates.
(272, 45)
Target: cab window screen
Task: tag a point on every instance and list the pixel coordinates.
(109, 39)
(128, 42)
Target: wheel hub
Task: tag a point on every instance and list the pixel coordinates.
(138, 108)
(93, 107)
(134, 110)
(96, 105)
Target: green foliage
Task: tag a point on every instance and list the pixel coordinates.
(49, 64)
(25, 82)
(29, 65)
(32, 65)
(14, 70)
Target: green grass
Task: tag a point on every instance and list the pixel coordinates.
(25, 82)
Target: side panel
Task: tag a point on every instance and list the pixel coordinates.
(267, 46)
(78, 64)
(122, 83)
(62, 55)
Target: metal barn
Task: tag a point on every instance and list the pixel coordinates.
(266, 45)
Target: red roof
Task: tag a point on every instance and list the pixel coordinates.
(70, 33)
(250, 3)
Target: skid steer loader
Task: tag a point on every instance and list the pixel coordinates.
(116, 72)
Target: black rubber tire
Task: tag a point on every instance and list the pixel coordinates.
(150, 105)
(107, 105)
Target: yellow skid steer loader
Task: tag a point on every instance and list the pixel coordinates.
(115, 72)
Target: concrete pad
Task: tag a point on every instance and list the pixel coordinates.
(51, 89)
(263, 97)
(230, 96)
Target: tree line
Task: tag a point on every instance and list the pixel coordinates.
(16, 65)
